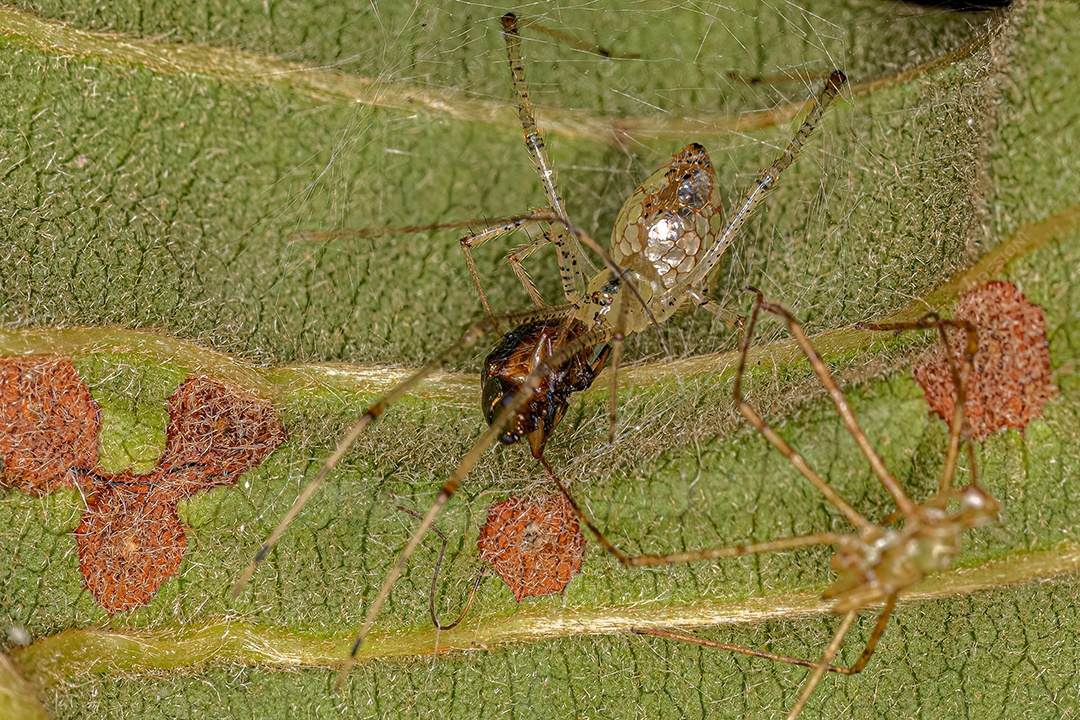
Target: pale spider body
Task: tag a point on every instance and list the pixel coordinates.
(668, 224)
(663, 233)
(667, 238)
(663, 229)
(880, 563)
(876, 563)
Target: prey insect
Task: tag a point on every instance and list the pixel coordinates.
(668, 237)
(875, 564)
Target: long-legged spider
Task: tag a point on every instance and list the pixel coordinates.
(875, 564)
(668, 237)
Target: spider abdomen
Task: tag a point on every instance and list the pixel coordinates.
(666, 225)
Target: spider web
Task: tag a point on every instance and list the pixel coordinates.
(172, 201)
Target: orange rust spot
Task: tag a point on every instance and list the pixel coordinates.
(130, 538)
(535, 545)
(1010, 382)
(220, 428)
(48, 423)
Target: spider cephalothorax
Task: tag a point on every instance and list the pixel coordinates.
(883, 562)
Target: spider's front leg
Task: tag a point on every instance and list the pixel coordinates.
(752, 198)
(574, 266)
(499, 229)
(699, 298)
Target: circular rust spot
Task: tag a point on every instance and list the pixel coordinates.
(535, 545)
(48, 423)
(1010, 382)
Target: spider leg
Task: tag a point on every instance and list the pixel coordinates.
(789, 543)
(617, 338)
(728, 315)
(392, 230)
(468, 462)
(857, 667)
(489, 230)
(960, 375)
(836, 82)
(872, 643)
(574, 266)
(435, 579)
(499, 229)
(755, 419)
(517, 256)
(822, 665)
(567, 39)
(728, 647)
(469, 338)
(847, 414)
(625, 277)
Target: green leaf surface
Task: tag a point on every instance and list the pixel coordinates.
(161, 161)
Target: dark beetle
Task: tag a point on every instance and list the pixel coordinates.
(520, 352)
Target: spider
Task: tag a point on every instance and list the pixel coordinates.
(875, 564)
(668, 237)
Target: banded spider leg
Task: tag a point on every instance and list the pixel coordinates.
(875, 564)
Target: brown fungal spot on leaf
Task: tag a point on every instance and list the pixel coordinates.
(535, 545)
(48, 423)
(130, 538)
(1010, 382)
(222, 429)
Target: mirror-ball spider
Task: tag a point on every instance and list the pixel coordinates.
(668, 237)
